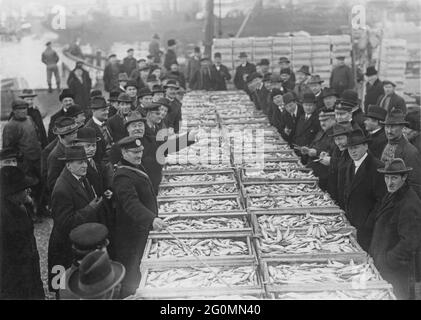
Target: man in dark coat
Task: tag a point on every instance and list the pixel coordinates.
(154, 49)
(308, 124)
(329, 98)
(288, 118)
(399, 147)
(194, 64)
(221, 72)
(50, 58)
(146, 96)
(170, 56)
(397, 230)
(20, 271)
(412, 129)
(174, 116)
(390, 100)
(73, 203)
(364, 187)
(374, 87)
(129, 62)
(301, 86)
(66, 98)
(315, 85)
(287, 84)
(275, 109)
(137, 212)
(80, 84)
(111, 72)
(259, 93)
(176, 75)
(344, 113)
(341, 77)
(284, 65)
(115, 124)
(112, 103)
(375, 130)
(242, 72)
(203, 79)
(339, 161)
(140, 75)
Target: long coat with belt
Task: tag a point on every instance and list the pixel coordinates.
(372, 93)
(20, 271)
(378, 142)
(339, 161)
(363, 193)
(70, 208)
(306, 130)
(136, 209)
(396, 102)
(397, 234)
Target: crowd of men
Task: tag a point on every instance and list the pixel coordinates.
(97, 168)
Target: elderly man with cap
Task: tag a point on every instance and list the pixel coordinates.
(364, 187)
(50, 58)
(193, 64)
(80, 84)
(259, 93)
(315, 85)
(399, 147)
(308, 124)
(174, 116)
(373, 87)
(129, 62)
(203, 79)
(329, 98)
(344, 114)
(28, 95)
(115, 124)
(73, 202)
(412, 129)
(341, 77)
(20, 271)
(170, 56)
(175, 74)
(397, 230)
(221, 72)
(339, 161)
(301, 87)
(8, 157)
(390, 100)
(284, 64)
(98, 122)
(137, 211)
(66, 98)
(111, 73)
(154, 49)
(86, 238)
(375, 130)
(318, 155)
(242, 72)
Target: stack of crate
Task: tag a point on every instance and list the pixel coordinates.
(393, 62)
(224, 46)
(320, 57)
(262, 49)
(341, 46)
(301, 51)
(281, 48)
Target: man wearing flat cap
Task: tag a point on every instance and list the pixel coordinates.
(399, 147)
(341, 77)
(396, 242)
(66, 99)
(375, 130)
(390, 100)
(129, 62)
(137, 211)
(374, 87)
(73, 202)
(111, 72)
(364, 187)
(412, 129)
(50, 58)
(242, 72)
(220, 71)
(170, 56)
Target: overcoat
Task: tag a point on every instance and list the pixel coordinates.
(336, 176)
(240, 71)
(377, 143)
(306, 130)
(373, 92)
(396, 102)
(116, 127)
(220, 77)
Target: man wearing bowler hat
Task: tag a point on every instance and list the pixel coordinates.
(315, 85)
(145, 97)
(242, 72)
(170, 56)
(112, 103)
(263, 64)
(259, 93)
(412, 129)
(390, 100)
(115, 124)
(341, 77)
(364, 187)
(20, 270)
(399, 147)
(375, 130)
(284, 63)
(397, 230)
(288, 118)
(174, 116)
(66, 98)
(308, 124)
(329, 98)
(137, 211)
(303, 74)
(73, 202)
(374, 87)
(193, 64)
(203, 79)
(220, 71)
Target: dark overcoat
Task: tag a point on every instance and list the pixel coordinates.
(306, 130)
(220, 77)
(377, 143)
(239, 82)
(372, 93)
(396, 102)
(339, 161)
(116, 127)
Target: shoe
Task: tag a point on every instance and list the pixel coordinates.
(50, 89)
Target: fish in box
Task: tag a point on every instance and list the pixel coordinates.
(181, 205)
(281, 188)
(198, 190)
(290, 201)
(382, 294)
(205, 223)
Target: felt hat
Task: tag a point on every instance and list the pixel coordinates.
(74, 153)
(27, 93)
(131, 83)
(289, 97)
(370, 71)
(315, 79)
(114, 96)
(329, 92)
(96, 93)
(253, 76)
(124, 97)
(376, 112)
(395, 166)
(89, 236)
(309, 97)
(357, 137)
(74, 110)
(65, 125)
(395, 117)
(98, 102)
(305, 70)
(341, 129)
(123, 77)
(171, 42)
(14, 180)
(86, 134)
(145, 92)
(243, 55)
(66, 93)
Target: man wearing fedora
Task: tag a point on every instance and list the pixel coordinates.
(412, 129)
(303, 74)
(373, 87)
(174, 116)
(170, 56)
(111, 73)
(259, 93)
(158, 93)
(397, 230)
(308, 124)
(115, 124)
(286, 120)
(339, 161)
(341, 77)
(287, 82)
(145, 97)
(129, 62)
(73, 202)
(375, 130)
(50, 58)
(193, 64)
(220, 71)
(137, 211)
(275, 108)
(112, 103)
(122, 82)
(389, 99)
(329, 98)
(203, 79)
(242, 72)
(263, 65)
(364, 187)
(20, 270)
(315, 85)
(66, 99)
(140, 74)
(399, 147)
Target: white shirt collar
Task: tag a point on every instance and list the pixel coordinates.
(76, 177)
(359, 162)
(97, 121)
(377, 130)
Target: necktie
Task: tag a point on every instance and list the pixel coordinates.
(107, 136)
(93, 165)
(307, 117)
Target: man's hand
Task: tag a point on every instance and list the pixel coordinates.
(193, 135)
(96, 202)
(325, 161)
(312, 152)
(287, 131)
(304, 150)
(170, 131)
(158, 224)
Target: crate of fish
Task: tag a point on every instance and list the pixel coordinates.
(298, 175)
(183, 205)
(267, 157)
(197, 178)
(325, 274)
(334, 294)
(216, 190)
(313, 224)
(276, 188)
(227, 246)
(294, 245)
(196, 167)
(201, 223)
(216, 279)
(274, 165)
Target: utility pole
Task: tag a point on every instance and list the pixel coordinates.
(209, 28)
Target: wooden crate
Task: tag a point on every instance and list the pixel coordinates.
(210, 195)
(229, 173)
(244, 177)
(388, 294)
